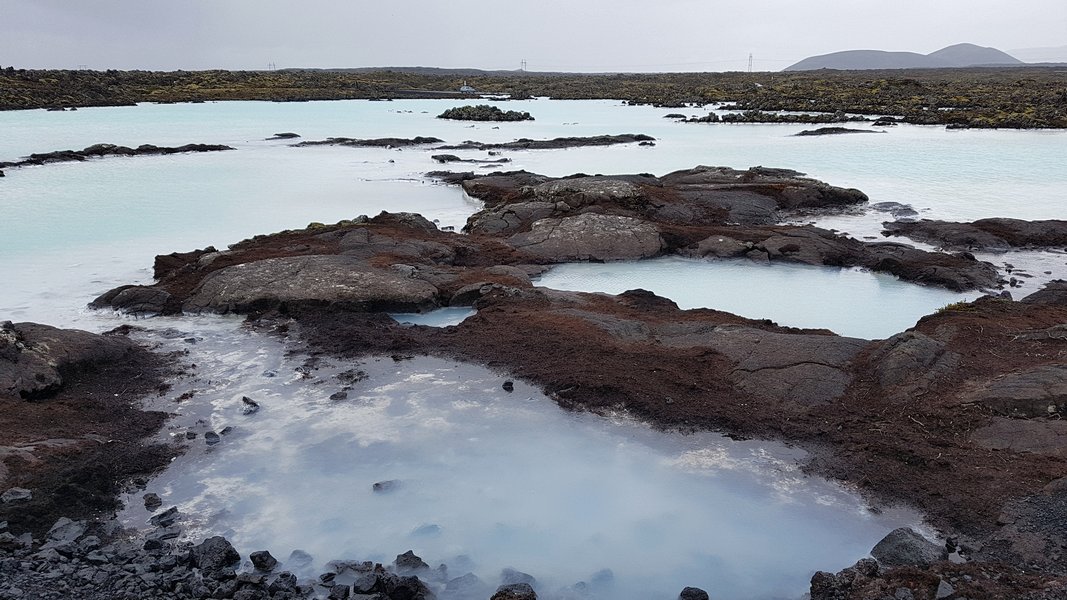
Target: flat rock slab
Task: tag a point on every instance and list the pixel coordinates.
(309, 279)
(1021, 435)
(589, 236)
(802, 368)
(1038, 392)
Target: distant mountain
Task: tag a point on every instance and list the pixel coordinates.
(959, 55)
(969, 55)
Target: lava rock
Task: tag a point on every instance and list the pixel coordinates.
(383, 487)
(249, 406)
(263, 561)
(408, 561)
(515, 591)
(693, 593)
(12, 495)
(903, 547)
(214, 554)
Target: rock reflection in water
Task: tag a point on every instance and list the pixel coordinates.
(483, 479)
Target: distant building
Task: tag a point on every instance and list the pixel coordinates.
(466, 89)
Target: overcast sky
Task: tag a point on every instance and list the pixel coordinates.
(561, 35)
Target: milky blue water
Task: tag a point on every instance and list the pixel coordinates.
(507, 478)
(858, 303)
(486, 479)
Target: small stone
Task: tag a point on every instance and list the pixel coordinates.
(408, 561)
(509, 576)
(515, 591)
(336, 396)
(227, 430)
(692, 593)
(65, 530)
(164, 533)
(16, 495)
(152, 501)
(904, 547)
(190, 435)
(165, 518)
(250, 407)
(340, 592)
(944, 590)
(212, 438)
(384, 487)
(263, 561)
(509, 386)
(367, 583)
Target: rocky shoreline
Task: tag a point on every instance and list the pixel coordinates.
(961, 98)
(958, 416)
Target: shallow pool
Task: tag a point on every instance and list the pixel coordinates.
(850, 302)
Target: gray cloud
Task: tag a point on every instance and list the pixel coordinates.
(589, 35)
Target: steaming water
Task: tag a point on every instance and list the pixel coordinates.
(488, 479)
(507, 479)
(858, 303)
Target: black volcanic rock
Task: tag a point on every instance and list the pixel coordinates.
(371, 143)
(555, 143)
(995, 234)
(832, 131)
(484, 112)
(101, 150)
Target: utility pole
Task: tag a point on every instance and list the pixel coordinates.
(749, 62)
(523, 69)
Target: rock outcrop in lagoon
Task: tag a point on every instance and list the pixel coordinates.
(553, 144)
(984, 235)
(371, 143)
(484, 112)
(102, 150)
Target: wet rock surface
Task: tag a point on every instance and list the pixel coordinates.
(98, 561)
(553, 144)
(832, 131)
(102, 150)
(986, 235)
(371, 143)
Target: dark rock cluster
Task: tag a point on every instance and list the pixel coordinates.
(484, 112)
(101, 150)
